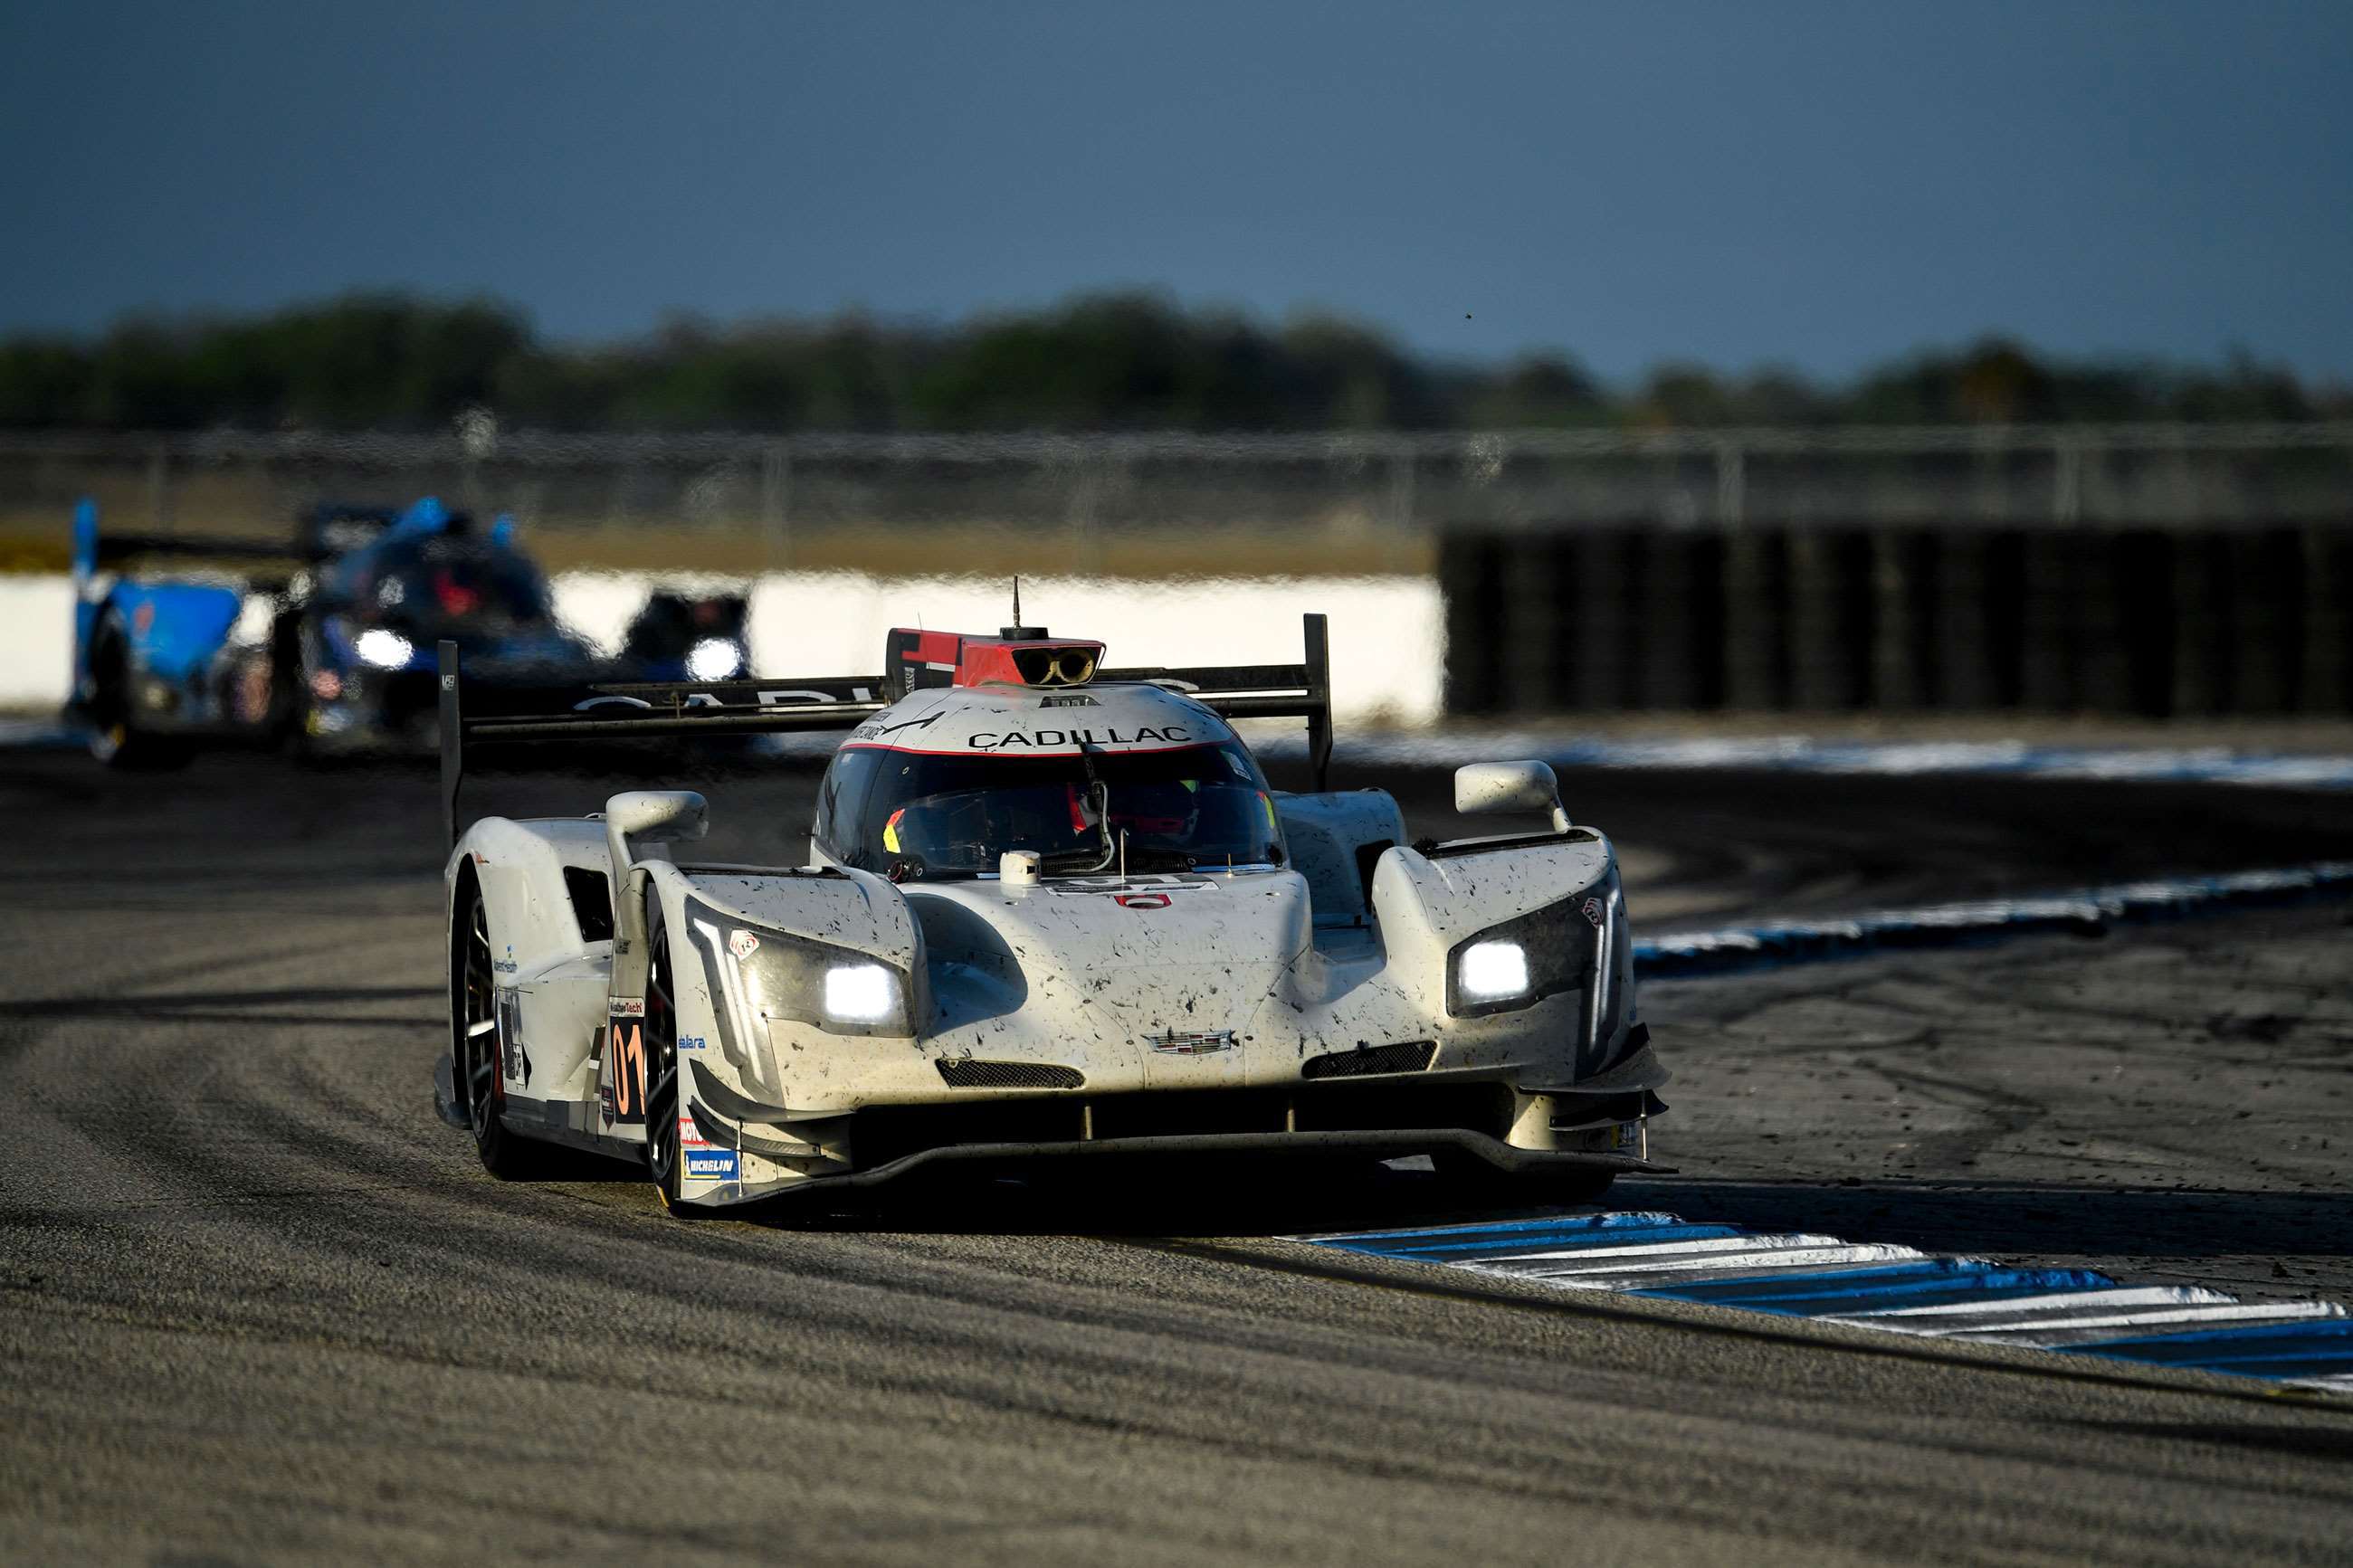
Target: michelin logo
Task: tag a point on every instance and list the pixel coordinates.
(711, 1164)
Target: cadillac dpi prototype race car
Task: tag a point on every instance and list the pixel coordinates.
(326, 636)
(1050, 911)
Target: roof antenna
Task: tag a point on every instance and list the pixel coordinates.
(1017, 632)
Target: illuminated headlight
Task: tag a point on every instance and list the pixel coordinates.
(1492, 971)
(384, 648)
(1551, 951)
(715, 658)
(759, 976)
(861, 992)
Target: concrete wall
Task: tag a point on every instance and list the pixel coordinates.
(36, 640)
(1388, 633)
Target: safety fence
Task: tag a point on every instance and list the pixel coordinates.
(2150, 570)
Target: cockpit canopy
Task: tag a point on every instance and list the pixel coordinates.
(928, 814)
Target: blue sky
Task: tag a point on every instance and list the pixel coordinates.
(1815, 185)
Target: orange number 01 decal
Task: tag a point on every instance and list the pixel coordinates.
(629, 1072)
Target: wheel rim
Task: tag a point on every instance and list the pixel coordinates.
(661, 1070)
(485, 1086)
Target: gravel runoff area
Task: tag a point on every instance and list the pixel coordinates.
(258, 1304)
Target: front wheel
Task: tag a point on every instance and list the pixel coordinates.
(481, 1077)
(663, 1159)
(114, 739)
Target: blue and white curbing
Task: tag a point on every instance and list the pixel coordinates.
(1894, 1289)
(2088, 911)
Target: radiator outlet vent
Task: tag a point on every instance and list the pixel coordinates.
(968, 1072)
(1411, 1056)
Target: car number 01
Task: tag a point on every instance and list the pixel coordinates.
(629, 1072)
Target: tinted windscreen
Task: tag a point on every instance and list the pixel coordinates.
(936, 815)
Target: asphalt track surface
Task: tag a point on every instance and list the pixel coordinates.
(257, 1303)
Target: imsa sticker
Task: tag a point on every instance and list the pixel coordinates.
(711, 1164)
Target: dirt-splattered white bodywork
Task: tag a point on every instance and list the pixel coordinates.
(1315, 1001)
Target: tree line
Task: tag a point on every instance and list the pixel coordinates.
(1126, 361)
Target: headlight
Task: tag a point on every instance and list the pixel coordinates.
(860, 992)
(761, 974)
(715, 658)
(1538, 954)
(1491, 971)
(384, 648)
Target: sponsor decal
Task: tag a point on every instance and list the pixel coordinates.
(1024, 740)
(627, 1008)
(1200, 1043)
(1141, 900)
(786, 697)
(1593, 913)
(711, 1164)
(515, 1061)
(743, 943)
(1078, 701)
(690, 1042)
(505, 965)
(690, 1136)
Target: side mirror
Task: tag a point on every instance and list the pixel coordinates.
(1509, 786)
(654, 815)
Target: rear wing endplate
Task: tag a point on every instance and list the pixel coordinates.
(629, 711)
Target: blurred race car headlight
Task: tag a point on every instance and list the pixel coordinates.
(384, 648)
(1491, 971)
(715, 658)
(759, 975)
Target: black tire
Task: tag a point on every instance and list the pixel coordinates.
(475, 1069)
(659, 1092)
(114, 739)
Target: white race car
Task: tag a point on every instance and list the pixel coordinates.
(1049, 912)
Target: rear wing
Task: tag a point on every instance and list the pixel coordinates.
(629, 711)
(94, 552)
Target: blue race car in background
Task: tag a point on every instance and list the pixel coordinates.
(326, 641)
